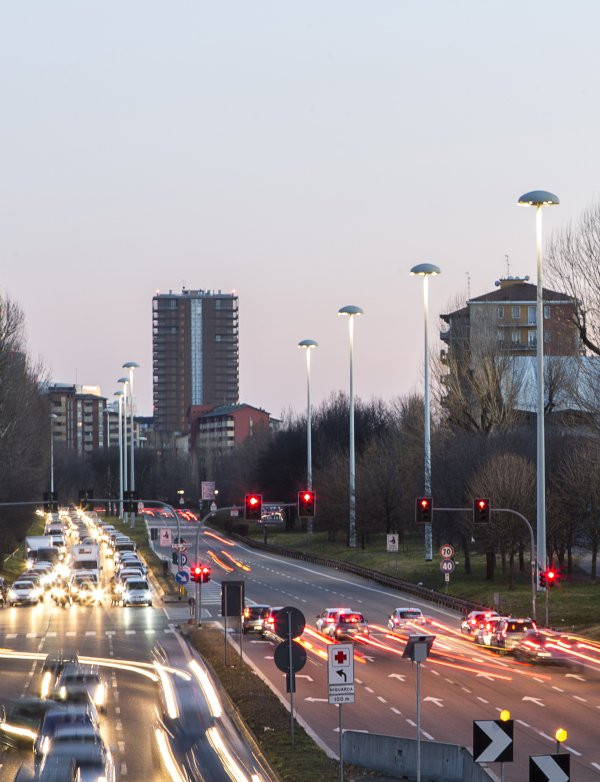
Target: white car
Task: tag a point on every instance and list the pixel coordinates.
(136, 592)
(23, 592)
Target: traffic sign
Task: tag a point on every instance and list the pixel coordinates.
(340, 673)
(550, 768)
(182, 576)
(447, 565)
(234, 512)
(208, 490)
(179, 546)
(282, 624)
(493, 741)
(183, 560)
(447, 551)
(213, 507)
(392, 543)
(165, 537)
(282, 657)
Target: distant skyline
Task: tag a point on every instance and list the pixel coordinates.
(305, 156)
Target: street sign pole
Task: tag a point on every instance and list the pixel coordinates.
(292, 679)
(418, 720)
(341, 755)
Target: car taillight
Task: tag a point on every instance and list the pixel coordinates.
(396, 621)
(246, 613)
(329, 620)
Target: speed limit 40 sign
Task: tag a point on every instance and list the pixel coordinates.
(446, 551)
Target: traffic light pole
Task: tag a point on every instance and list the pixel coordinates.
(532, 545)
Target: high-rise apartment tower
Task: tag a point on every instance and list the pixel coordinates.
(195, 353)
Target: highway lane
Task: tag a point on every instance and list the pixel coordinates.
(461, 681)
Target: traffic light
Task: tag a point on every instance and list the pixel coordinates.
(481, 510)
(306, 504)
(205, 574)
(130, 501)
(253, 507)
(542, 579)
(424, 510)
(196, 573)
(86, 499)
(551, 577)
(51, 502)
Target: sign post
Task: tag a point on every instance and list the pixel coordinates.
(340, 680)
(417, 649)
(290, 622)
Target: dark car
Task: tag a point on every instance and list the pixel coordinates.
(252, 618)
(510, 631)
(268, 625)
(20, 720)
(541, 647)
(77, 715)
(350, 625)
(53, 666)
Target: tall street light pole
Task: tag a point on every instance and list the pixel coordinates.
(426, 270)
(53, 418)
(119, 395)
(125, 382)
(131, 366)
(351, 311)
(539, 199)
(307, 345)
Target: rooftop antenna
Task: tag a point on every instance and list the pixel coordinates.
(507, 265)
(468, 284)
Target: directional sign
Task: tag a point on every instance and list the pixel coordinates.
(493, 741)
(182, 577)
(550, 768)
(165, 537)
(447, 565)
(446, 551)
(282, 657)
(340, 673)
(392, 543)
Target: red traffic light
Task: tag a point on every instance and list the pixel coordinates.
(482, 504)
(424, 510)
(481, 510)
(306, 503)
(425, 503)
(253, 500)
(253, 507)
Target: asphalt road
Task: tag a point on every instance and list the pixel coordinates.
(460, 682)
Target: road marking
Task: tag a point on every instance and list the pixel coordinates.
(70, 633)
(90, 632)
(149, 630)
(51, 635)
(579, 698)
(574, 751)
(524, 724)
(544, 735)
(117, 709)
(119, 725)
(428, 736)
(109, 632)
(449, 680)
(129, 632)
(121, 746)
(537, 701)
(465, 689)
(11, 635)
(436, 673)
(358, 681)
(31, 635)
(595, 765)
(395, 710)
(535, 679)
(368, 689)
(558, 689)
(410, 722)
(123, 769)
(383, 700)
(483, 700)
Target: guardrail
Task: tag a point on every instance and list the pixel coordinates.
(433, 596)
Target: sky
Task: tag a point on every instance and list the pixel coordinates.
(305, 155)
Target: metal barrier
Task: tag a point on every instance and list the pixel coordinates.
(447, 601)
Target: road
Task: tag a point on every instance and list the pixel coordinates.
(460, 682)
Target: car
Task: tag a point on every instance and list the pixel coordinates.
(78, 683)
(542, 647)
(510, 631)
(252, 618)
(86, 591)
(268, 626)
(20, 720)
(327, 618)
(405, 619)
(24, 593)
(350, 624)
(484, 633)
(474, 619)
(73, 716)
(53, 666)
(94, 761)
(132, 561)
(136, 592)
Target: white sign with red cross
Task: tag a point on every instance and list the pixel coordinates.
(340, 673)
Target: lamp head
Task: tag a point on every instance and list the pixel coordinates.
(131, 365)
(351, 310)
(425, 270)
(123, 380)
(308, 344)
(538, 198)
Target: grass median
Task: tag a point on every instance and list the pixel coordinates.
(266, 717)
(14, 564)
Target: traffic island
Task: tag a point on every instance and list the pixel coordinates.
(267, 719)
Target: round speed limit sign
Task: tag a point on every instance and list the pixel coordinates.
(446, 551)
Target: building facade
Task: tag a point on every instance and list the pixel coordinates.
(195, 344)
(217, 428)
(79, 411)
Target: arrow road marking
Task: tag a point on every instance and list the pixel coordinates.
(486, 676)
(397, 676)
(537, 701)
(437, 701)
(574, 676)
(499, 741)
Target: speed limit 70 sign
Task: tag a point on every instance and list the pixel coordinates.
(446, 551)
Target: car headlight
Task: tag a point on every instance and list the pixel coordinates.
(126, 596)
(12, 594)
(62, 693)
(100, 696)
(58, 592)
(29, 564)
(98, 594)
(74, 589)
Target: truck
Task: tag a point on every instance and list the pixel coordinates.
(85, 557)
(42, 548)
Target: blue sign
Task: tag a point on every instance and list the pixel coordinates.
(182, 577)
(183, 559)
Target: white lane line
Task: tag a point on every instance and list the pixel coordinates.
(410, 722)
(109, 632)
(119, 725)
(383, 700)
(117, 709)
(466, 689)
(51, 635)
(11, 635)
(579, 698)
(558, 689)
(121, 746)
(31, 635)
(70, 633)
(129, 632)
(483, 700)
(535, 679)
(595, 765)
(123, 769)
(368, 689)
(428, 736)
(90, 632)
(544, 735)
(574, 751)
(395, 710)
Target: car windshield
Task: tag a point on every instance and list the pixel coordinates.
(412, 613)
(137, 585)
(351, 618)
(23, 585)
(81, 678)
(256, 612)
(54, 718)
(518, 627)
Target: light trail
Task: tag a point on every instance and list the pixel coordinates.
(219, 562)
(236, 561)
(219, 538)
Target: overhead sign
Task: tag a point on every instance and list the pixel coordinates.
(165, 537)
(392, 543)
(447, 565)
(208, 490)
(340, 673)
(493, 741)
(182, 576)
(550, 768)
(446, 551)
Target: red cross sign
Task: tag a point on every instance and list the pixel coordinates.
(340, 657)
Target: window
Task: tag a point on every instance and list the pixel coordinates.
(172, 304)
(500, 335)
(515, 336)
(217, 337)
(546, 311)
(516, 313)
(500, 311)
(531, 316)
(546, 336)
(531, 338)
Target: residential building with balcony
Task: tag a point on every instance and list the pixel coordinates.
(218, 428)
(79, 411)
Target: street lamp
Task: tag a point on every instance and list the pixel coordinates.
(427, 270)
(351, 311)
(119, 395)
(131, 366)
(53, 418)
(540, 198)
(125, 382)
(307, 345)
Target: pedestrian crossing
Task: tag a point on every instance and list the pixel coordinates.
(87, 633)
